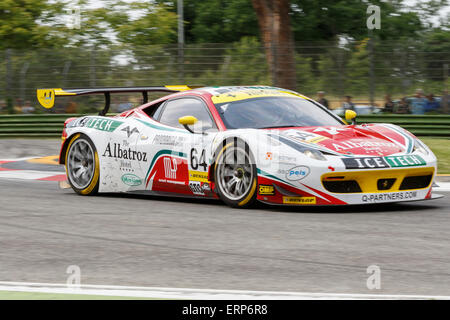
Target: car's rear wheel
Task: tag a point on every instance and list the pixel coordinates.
(236, 175)
(82, 165)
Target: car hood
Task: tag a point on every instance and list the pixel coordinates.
(368, 140)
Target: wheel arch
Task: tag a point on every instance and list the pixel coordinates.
(65, 145)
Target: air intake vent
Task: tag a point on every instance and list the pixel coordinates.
(417, 182)
(348, 186)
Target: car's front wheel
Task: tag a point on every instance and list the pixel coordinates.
(82, 165)
(236, 175)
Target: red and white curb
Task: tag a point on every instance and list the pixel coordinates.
(17, 174)
(197, 294)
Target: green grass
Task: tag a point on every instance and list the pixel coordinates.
(15, 295)
(441, 148)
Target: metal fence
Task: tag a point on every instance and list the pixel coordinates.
(397, 68)
(51, 125)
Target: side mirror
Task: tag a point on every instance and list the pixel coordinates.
(350, 116)
(187, 121)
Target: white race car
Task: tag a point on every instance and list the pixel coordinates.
(241, 144)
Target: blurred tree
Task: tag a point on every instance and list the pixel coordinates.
(248, 54)
(437, 48)
(216, 21)
(358, 69)
(122, 22)
(429, 11)
(315, 20)
(275, 28)
(25, 23)
(155, 25)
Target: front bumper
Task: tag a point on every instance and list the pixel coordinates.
(350, 187)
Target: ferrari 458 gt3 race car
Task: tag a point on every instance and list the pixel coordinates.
(241, 144)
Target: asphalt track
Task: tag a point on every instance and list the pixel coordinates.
(161, 242)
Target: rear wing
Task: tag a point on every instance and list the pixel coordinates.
(46, 97)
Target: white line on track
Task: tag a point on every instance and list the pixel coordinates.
(194, 294)
(18, 159)
(443, 186)
(28, 174)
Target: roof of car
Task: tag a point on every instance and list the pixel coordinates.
(236, 93)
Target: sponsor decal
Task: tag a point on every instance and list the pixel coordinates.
(405, 161)
(394, 196)
(316, 140)
(101, 124)
(331, 131)
(171, 181)
(126, 166)
(301, 135)
(365, 162)
(46, 97)
(116, 151)
(131, 180)
(196, 188)
(299, 200)
(269, 156)
(130, 131)
(266, 190)
(198, 176)
(297, 173)
(170, 167)
(363, 144)
(287, 159)
(242, 93)
(305, 136)
(383, 162)
(168, 140)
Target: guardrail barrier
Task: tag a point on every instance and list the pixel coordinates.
(50, 125)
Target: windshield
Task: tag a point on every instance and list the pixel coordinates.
(274, 112)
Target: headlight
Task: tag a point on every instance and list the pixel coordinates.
(307, 151)
(420, 147)
(314, 154)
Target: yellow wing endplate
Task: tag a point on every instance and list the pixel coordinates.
(46, 97)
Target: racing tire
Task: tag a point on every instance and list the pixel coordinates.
(235, 175)
(82, 165)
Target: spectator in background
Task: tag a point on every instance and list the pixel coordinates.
(431, 104)
(27, 107)
(348, 104)
(403, 106)
(321, 99)
(418, 103)
(388, 104)
(18, 106)
(445, 102)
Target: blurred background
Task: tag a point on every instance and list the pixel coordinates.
(321, 48)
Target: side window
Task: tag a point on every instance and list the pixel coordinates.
(157, 111)
(175, 109)
(154, 111)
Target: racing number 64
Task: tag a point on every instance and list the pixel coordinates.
(196, 162)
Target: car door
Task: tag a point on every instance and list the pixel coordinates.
(181, 158)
